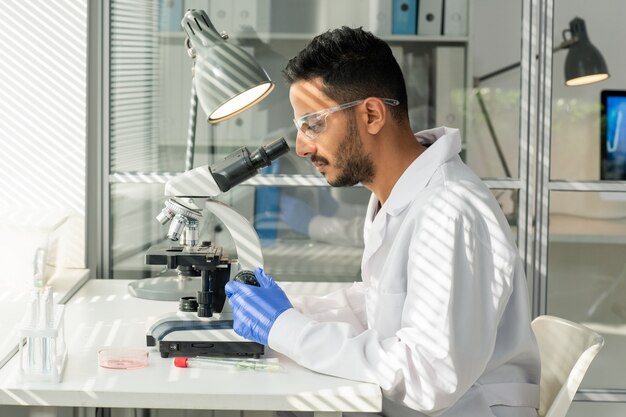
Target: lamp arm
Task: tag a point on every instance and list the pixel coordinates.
(478, 80)
(567, 42)
(492, 132)
(191, 129)
(485, 113)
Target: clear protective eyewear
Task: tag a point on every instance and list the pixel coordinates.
(312, 124)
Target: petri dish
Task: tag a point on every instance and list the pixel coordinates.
(122, 358)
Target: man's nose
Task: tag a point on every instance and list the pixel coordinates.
(304, 146)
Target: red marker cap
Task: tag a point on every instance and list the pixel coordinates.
(181, 362)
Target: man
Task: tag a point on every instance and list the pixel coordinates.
(441, 320)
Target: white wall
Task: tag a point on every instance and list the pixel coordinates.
(43, 60)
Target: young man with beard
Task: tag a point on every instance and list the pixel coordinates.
(441, 320)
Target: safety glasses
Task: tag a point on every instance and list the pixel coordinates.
(312, 124)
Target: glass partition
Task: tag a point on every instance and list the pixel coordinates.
(150, 139)
(576, 123)
(586, 273)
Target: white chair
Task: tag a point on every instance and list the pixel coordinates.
(566, 350)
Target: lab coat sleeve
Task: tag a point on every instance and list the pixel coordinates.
(458, 283)
(345, 305)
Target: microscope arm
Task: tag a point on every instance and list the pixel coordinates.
(247, 242)
(198, 182)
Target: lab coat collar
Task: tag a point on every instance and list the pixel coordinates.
(443, 143)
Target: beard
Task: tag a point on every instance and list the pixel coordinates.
(353, 164)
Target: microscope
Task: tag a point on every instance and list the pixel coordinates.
(203, 326)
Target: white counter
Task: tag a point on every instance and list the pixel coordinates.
(102, 314)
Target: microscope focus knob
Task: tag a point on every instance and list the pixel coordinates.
(247, 277)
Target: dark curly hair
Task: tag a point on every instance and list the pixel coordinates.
(353, 64)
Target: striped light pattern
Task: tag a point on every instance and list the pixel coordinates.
(43, 61)
(134, 72)
(43, 103)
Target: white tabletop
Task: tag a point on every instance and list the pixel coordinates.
(102, 314)
(14, 301)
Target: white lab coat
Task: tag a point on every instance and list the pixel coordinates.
(441, 320)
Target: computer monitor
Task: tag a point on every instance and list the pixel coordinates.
(613, 135)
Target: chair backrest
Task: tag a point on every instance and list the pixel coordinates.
(566, 350)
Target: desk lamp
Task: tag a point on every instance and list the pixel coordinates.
(584, 65)
(226, 81)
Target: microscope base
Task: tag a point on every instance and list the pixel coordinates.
(185, 334)
(207, 348)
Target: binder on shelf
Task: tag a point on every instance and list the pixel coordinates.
(221, 15)
(333, 14)
(449, 86)
(251, 16)
(380, 17)
(455, 18)
(198, 5)
(429, 18)
(294, 16)
(170, 15)
(417, 70)
(404, 17)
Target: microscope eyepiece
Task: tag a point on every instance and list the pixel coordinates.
(242, 165)
(264, 156)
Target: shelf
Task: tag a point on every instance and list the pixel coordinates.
(427, 39)
(264, 179)
(308, 36)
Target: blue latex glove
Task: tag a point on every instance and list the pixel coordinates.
(255, 309)
(296, 213)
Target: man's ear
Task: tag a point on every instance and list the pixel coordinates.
(376, 115)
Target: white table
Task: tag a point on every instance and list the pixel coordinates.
(14, 302)
(102, 313)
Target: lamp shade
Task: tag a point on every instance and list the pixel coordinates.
(228, 80)
(584, 63)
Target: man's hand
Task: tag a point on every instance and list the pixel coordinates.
(255, 309)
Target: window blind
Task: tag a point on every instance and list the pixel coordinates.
(134, 57)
